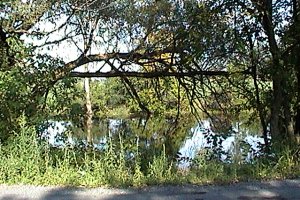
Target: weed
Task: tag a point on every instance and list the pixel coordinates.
(26, 159)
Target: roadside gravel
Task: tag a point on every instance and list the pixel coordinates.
(267, 190)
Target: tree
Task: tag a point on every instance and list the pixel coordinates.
(255, 40)
(265, 23)
(168, 124)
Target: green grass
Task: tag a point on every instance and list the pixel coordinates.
(25, 160)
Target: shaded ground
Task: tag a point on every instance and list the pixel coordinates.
(271, 190)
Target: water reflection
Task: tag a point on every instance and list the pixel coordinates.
(185, 142)
(236, 147)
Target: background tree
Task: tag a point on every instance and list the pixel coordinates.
(200, 40)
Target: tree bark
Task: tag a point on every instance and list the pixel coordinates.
(277, 77)
(259, 105)
(296, 60)
(89, 111)
(297, 114)
(279, 108)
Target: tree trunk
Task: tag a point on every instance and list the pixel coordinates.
(277, 78)
(276, 109)
(297, 106)
(297, 114)
(296, 61)
(89, 111)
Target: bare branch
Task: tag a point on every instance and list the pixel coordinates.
(153, 74)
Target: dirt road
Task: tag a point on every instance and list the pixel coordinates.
(270, 190)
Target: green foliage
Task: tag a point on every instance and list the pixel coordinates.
(203, 170)
(21, 159)
(15, 87)
(28, 160)
(160, 170)
(110, 99)
(25, 159)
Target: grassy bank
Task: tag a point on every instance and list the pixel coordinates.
(26, 160)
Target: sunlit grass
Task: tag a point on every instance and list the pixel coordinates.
(26, 160)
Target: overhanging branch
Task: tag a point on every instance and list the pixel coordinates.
(151, 74)
(84, 59)
(133, 57)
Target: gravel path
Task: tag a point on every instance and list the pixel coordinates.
(271, 190)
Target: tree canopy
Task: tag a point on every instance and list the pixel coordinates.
(217, 51)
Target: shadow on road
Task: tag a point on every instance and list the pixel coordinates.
(66, 193)
(272, 190)
(157, 192)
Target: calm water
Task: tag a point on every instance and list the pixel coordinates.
(196, 139)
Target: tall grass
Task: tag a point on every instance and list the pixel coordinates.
(22, 160)
(27, 160)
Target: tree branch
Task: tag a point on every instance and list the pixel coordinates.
(153, 74)
(63, 71)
